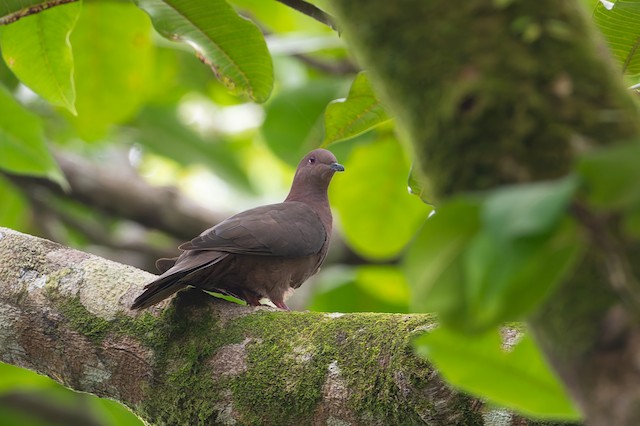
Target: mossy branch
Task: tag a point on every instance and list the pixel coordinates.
(199, 360)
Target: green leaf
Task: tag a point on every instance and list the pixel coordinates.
(14, 211)
(113, 55)
(384, 282)
(377, 213)
(292, 125)
(419, 185)
(161, 131)
(504, 280)
(22, 147)
(620, 25)
(481, 263)
(233, 46)
(346, 289)
(519, 379)
(612, 175)
(113, 413)
(528, 209)
(36, 48)
(360, 112)
(433, 265)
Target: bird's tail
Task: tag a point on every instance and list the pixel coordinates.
(159, 290)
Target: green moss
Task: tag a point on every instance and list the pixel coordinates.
(288, 369)
(82, 321)
(288, 355)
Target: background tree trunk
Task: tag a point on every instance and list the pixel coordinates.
(495, 92)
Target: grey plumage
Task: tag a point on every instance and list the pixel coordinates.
(261, 252)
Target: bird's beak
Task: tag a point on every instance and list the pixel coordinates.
(337, 167)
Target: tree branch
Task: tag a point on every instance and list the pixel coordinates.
(118, 190)
(199, 360)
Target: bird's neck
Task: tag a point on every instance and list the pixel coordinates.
(314, 198)
(317, 200)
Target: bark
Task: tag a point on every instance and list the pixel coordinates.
(494, 92)
(200, 360)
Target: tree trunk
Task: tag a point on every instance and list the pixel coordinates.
(196, 359)
(495, 92)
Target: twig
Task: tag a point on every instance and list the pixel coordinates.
(336, 68)
(312, 11)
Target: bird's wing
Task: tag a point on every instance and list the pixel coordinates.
(291, 229)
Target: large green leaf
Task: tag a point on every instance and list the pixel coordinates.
(36, 48)
(293, 125)
(113, 56)
(433, 264)
(481, 262)
(361, 111)
(377, 213)
(519, 379)
(161, 131)
(612, 175)
(529, 209)
(504, 280)
(233, 46)
(619, 21)
(22, 147)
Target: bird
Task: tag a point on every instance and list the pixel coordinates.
(259, 253)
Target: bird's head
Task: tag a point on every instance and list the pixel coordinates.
(314, 172)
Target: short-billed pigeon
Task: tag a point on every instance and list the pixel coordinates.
(261, 252)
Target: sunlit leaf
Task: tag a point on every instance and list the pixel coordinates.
(346, 289)
(293, 125)
(433, 264)
(361, 111)
(36, 48)
(619, 21)
(519, 379)
(22, 147)
(113, 56)
(377, 213)
(233, 46)
(612, 176)
(15, 379)
(384, 282)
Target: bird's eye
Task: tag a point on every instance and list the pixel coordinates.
(312, 160)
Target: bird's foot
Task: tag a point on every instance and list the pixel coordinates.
(280, 304)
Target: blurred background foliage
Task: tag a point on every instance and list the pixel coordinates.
(118, 141)
(148, 113)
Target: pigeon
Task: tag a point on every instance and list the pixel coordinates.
(259, 253)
